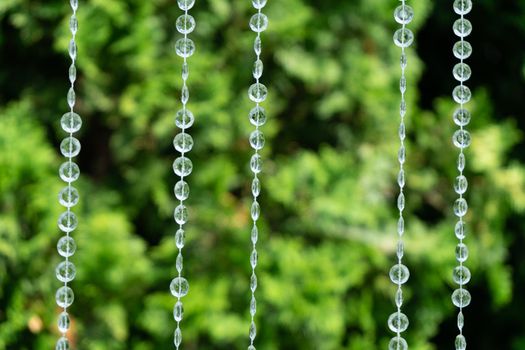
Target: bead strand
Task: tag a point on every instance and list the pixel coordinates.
(257, 116)
(399, 273)
(182, 166)
(461, 94)
(68, 197)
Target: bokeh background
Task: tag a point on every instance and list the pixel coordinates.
(329, 191)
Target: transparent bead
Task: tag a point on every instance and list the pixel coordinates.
(462, 50)
(258, 69)
(462, 72)
(185, 5)
(257, 46)
(251, 347)
(253, 331)
(72, 49)
(462, 7)
(71, 97)
(401, 178)
(401, 202)
(256, 163)
(462, 27)
(185, 47)
(253, 282)
(64, 297)
(67, 221)
(180, 237)
(403, 61)
(72, 73)
(255, 211)
(181, 214)
(460, 343)
(404, 14)
(184, 94)
(461, 252)
(254, 234)
(69, 172)
(66, 246)
(65, 271)
(71, 122)
(178, 311)
(253, 259)
(460, 207)
(461, 320)
(403, 84)
(182, 166)
(179, 287)
(185, 24)
(399, 274)
(64, 322)
(184, 119)
(74, 4)
(259, 4)
(402, 108)
(179, 262)
(461, 117)
(460, 230)
(256, 187)
(397, 343)
(461, 162)
(70, 147)
(461, 298)
(185, 73)
(253, 306)
(398, 322)
(461, 275)
(182, 190)
(73, 24)
(259, 22)
(461, 139)
(403, 37)
(461, 94)
(258, 92)
(461, 184)
(183, 142)
(400, 226)
(257, 140)
(62, 344)
(401, 155)
(177, 337)
(258, 116)
(400, 251)
(399, 297)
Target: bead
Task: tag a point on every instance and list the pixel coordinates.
(461, 184)
(181, 214)
(177, 337)
(400, 251)
(462, 72)
(72, 48)
(63, 322)
(401, 202)
(461, 320)
(253, 259)
(401, 155)
(258, 92)
(401, 178)
(184, 119)
(259, 4)
(404, 14)
(66, 246)
(399, 297)
(67, 221)
(73, 24)
(180, 237)
(257, 140)
(462, 27)
(461, 298)
(460, 207)
(257, 46)
(403, 61)
(65, 271)
(62, 344)
(397, 343)
(403, 84)
(70, 147)
(253, 331)
(462, 7)
(253, 306)
(178, 311)
(74, 5)
(461, 252)
(403, 37)
(184, 95)
(179, 262)
(182, 190)
(259, 22)
(400, 226)
(461, 275)
(253, 282)
(185, 24)
(71, 122)
(460, 230)
(258, 68)
(461, 94)
(179, 287)
(72, 73)
(185, 72)
(251, 347)
(461, 117)
(461, 160)
(185, 5)
(461, 139)
(183, 142)
(69, 172)
(402, 108)
(399, 274)
(460, 343)
(64, 297)
(182, 166)
(398, 322)
(255, 211)
(256, 187)
(462, 50)
(185, 47)
(256, 163)
(254, 234)
(71, 96)
(258, 116)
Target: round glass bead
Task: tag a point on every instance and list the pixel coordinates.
(460, 230)
(181, 214)
(404, 14)
(399, 274)
(397, 343)
(178, 311)
(71, 122)
(70, 147)
(257, 139)
(461, 184)
(461, 298)
(256, 163)
(403, 37)
(462, 72)
(184, 119)
(462, 50)
(66, 271)
(185, 5)
(461, 139)
(64, 297)
(182, 166)
(398, 322)
(259, 22)
(461, 275)
(62, 344)
(259, 4)
(460, 343)
(185, 47)
(66, 246)
(461, 252)
(67, 221)
(69, 172)
(258, 92)
(185, 24)
(182, 190)
(179, 287)
(461, 117)
(462, 7)
(180, 237)
(64, 322)
(461, 94)
(258, 68)
(460, 207)
(258, 116)
(462, 27)
(183, 142)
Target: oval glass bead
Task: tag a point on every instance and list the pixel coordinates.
(179, 287)
(181, 190)
(65, 271)
(184, 119)
(258, 116)
(257, 46)
(461, 117)
(254, 234)
(67, 221)
(71, 97)
(461, 184)
(461, 320)
(256, 163)
(258, 92)
(185, 5)
(178, 311)
(62, 344)
(180, 237)
(71, 122)
(403, 37)
(185, 47)
(253, 282)
(398, 322)
(462, 72)
(404, 14)
(72, 73)
(462, 27)
(253, 306)
(399, 274)
(461, 298)
(69, 172)
(66, 246)
(259, 4)
(461, 159)
(181, 214)
(256, 187)
(461, 139)
(259, 22)
(177, 337)
(461, 342)
(253, 330)
(460, 207)
(461, 252)
(64, 297)
(461, 94)
(63, 322)
(185, 24)
(179, 262)
(461, 275)
(398, 343)
(72, 48)
(460, 230)
(462, 50)
(182, 166)
(183, 142)
(70, 147)
(257, 140)
(255, 211)
(73, 24)
(399, 297)
(258, 68)
(253, 258)
(462, 7)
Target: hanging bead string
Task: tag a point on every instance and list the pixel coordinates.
(257, 93)
(183, 143)
(399, 274)
(461, 139)
(68, 197)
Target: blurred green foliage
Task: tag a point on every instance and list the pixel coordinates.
(328, 235)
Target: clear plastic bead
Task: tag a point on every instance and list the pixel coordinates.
(184, 94)
(71, 97)
(178, 311)
(73, 24)
(185, 47)
(404, 14)
(69, 172)
(398, 343)
(181, 214)
(74, 4)
(401, 202)
(256, 163)
(258, 92)
(462, 50)
(399, 297)
(400, 226)
(460, 207)
(462, 72)
(254, 234)
(257, 139)
(179, 264)
(461, 117)
(255, 211)
(257, 46)
(253, 306)
(461, 298)
(185, 72)
(62, 344)
(70, 147)
(462, 7)
(461, 252)
(63, 322)
(461, 160)
(399, 274)
(256, 187)
(259, 22)
(182, 166)
(180, 237)
(179, 287)
(253, 330)
(72, 48)
(177, 337)
(66, 246)
(461, 94)
(253, 259)
(258, 68)
(460, 230)
(64, 297)
(185, 5)
(253, 282)
(460, 343)
(258, 116)
(181, 190)
(402, 108)
(398, 322)
(259, 4)
(461, 275)
(461, 184)
(251, 347)
(403, 61)
(65, 271)
(183, 142)
(403, 37)
(462, 27)
(461, 139)
(67, 221)
(72, 73)
(184, 119)
(401, 178)
(403, 84)
(71, 122)
(185, 24)
(461, 320)
(400, 251)
(401, 155)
